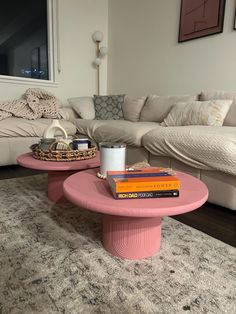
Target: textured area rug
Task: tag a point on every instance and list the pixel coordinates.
(52, 261)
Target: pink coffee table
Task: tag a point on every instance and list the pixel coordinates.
(57, 172)
(132, 228)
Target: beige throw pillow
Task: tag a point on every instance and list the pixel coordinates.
(132, 107)
(212, 112)
(83, 106)
(157, 108)
(230, 119)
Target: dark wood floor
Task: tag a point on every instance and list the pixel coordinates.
(216, 221)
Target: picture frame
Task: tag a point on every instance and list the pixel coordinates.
(200, 18)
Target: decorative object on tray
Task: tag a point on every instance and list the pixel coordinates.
(52, 128)
(113, 157)
(45, 143)
(81, 143)
(63, 144)
(149, 182)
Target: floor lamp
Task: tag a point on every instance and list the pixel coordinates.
(101, 52)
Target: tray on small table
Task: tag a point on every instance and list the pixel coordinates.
(64, 155)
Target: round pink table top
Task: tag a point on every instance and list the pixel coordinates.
(28, 161)
(88, 191)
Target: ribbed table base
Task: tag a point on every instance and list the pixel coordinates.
(55, 185)
(130, 237)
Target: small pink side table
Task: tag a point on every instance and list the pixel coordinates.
(57, 172)
(132, 228)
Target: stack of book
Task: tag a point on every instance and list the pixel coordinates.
(152, 182)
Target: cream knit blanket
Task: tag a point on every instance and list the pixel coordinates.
(199, 146)
(35, 103)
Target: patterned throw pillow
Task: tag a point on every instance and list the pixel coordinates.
(108, 107)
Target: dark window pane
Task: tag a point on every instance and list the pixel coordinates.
(23, 38)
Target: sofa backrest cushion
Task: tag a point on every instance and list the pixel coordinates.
(83, 106)
(230, 119)
(108, 107)
(210, 112)
(157, 108)
(132, 107)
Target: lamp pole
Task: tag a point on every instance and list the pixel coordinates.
(100, 53)
(98, 75)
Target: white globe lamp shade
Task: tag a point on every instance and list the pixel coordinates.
(97, 36)
(103, 51)
(97, 61)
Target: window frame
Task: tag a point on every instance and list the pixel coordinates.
(53, 52)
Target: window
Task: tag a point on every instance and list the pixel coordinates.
(24, 44)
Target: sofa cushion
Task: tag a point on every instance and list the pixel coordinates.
(157, 108)
(132, 107)
(230, 119)
(211, 112)
(87, 126)
(83, 106)
(127, 132)
(108, 107)
(202, 147)
(19, 127)
(115, 130)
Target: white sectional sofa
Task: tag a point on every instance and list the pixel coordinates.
(207, 152)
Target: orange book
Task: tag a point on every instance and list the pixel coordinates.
(142, 180)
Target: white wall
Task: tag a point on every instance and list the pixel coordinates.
(145, 56)
(78, 19)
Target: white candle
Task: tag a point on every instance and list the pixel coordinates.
(112, 157)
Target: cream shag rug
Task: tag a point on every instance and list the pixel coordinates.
(52, 261)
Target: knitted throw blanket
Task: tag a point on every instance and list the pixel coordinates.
(35, 103)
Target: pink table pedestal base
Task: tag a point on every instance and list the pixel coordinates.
(55, 185)
(58, 172)
(130, 237)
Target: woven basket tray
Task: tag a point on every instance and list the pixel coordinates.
(64, 155)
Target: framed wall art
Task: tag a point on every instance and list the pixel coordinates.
(199, 18)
